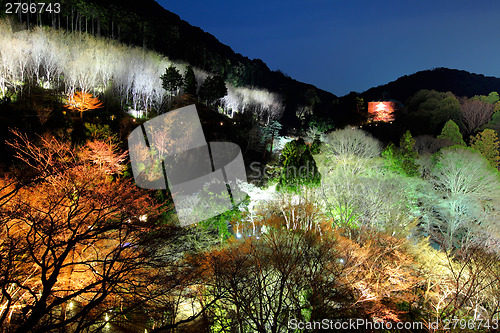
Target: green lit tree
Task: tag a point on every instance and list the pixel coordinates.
(428, 110)
(402, 160)
(451, 133)
(316, 145)
(492, 98)
(488, 144)
(308, 171)
(475, 113)
(320, 125)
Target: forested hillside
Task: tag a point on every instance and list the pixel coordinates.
(460, 83)
(150, 26)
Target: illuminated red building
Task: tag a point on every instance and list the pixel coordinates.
(381, 111)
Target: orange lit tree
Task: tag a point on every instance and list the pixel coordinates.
(82, 101)
(72, 235)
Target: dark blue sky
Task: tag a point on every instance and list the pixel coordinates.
(352, 45)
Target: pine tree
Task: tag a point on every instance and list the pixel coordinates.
(270, 131)
(488, 144)
(171, 80)
(299, 167)
(308, 171)
(451, 133)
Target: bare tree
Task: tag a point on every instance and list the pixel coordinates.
(475, 113)
(43, 114)
(71, 247)
(263, 283)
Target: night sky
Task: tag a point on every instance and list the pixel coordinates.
(344, 46)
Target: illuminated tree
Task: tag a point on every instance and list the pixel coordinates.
(315, 145)
(475, 113)
(377, 269)
(466, 203)
(131, 74)
(451, 133)
(213, 89)
(492, 98)
(298, 166)
(265, 105)
(82, 101)
(370, 197)
(408, 154)
(488, 144)
(265, 282)
(346, 142)
(190, 84)
(462, 283)
(402, 159)
(269, 132)
(172, 80)
(357, 190)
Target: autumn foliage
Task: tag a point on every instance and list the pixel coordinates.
(70, 237)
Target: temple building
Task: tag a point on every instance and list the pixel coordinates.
(381, 111)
